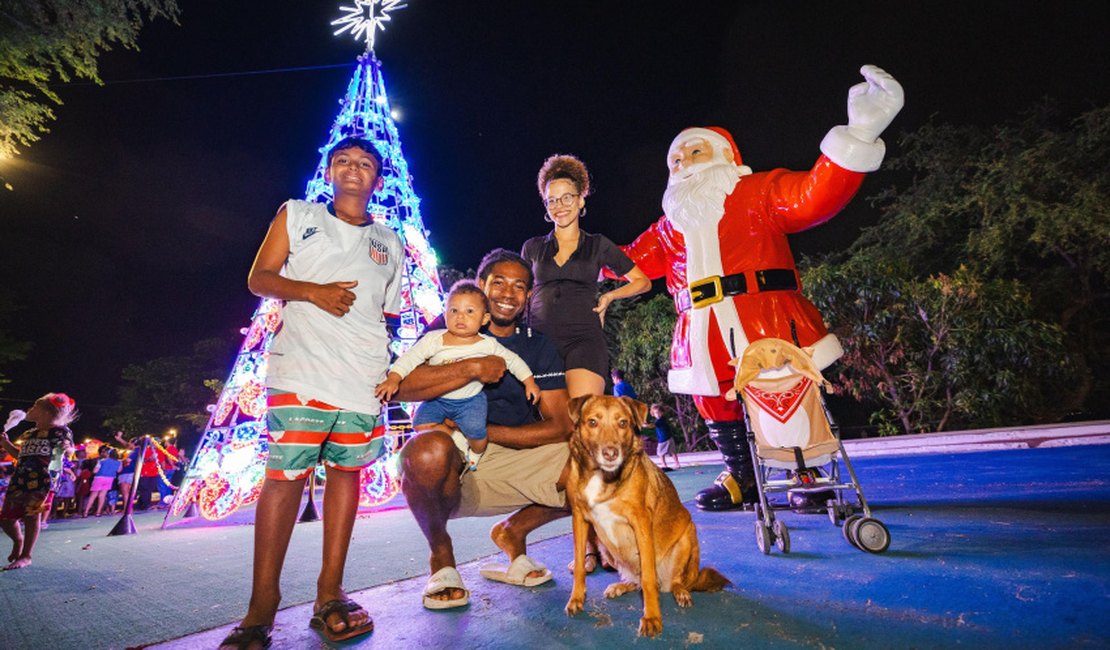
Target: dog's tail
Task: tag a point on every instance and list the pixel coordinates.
(710, 579)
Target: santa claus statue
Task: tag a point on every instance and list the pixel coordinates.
(721, 244)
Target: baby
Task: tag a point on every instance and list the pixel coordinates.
(467, 311)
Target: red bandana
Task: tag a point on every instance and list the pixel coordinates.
(782, 405)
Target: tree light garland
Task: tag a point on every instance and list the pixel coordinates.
(158, 466)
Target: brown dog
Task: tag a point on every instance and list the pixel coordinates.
(634, 508)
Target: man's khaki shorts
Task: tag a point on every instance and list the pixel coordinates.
(509, 479)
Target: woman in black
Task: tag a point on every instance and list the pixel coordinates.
(566, 264)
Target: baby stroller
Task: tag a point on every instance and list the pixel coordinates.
(796, 447)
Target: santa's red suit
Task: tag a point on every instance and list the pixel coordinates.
(749, 241)
(722, 247)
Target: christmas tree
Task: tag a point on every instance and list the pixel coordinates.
(229, 466)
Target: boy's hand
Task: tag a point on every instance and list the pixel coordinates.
(532, 390)
(335, 298)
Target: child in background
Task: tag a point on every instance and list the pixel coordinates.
(84, 469)
(130, 466)
(104, 475)
(467, 312)
(664, 438)
(29, 493)
(65, 489)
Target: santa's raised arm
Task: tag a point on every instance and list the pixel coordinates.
(721, 245)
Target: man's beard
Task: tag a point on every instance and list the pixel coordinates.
(504, 322)
(699, 200)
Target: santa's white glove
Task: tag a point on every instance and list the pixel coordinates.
(873, 104)
(14, 418)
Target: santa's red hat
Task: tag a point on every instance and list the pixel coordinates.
(714, 134)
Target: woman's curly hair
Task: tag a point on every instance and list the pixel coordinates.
(565, 167)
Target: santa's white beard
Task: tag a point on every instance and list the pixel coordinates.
(698, 200)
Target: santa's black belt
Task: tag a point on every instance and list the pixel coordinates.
(713, 289)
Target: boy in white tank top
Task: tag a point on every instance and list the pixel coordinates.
(340, 275)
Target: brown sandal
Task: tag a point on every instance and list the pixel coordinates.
(243, 637)
(344, 607)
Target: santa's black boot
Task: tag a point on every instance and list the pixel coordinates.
(735, 487)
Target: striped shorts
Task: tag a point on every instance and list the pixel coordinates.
(303, 432)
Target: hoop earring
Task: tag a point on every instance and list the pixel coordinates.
(547, 218)
(582, 213)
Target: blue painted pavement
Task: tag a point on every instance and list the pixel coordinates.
(1000, 549)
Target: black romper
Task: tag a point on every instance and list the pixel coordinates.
(564, 296)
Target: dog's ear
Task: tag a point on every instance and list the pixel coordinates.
(639, 411)
(574, 407)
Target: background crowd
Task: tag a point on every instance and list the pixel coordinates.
(95, 478)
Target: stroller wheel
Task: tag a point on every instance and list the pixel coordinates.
(782, 536)
(871, 535)
(762, 538)
(849, 530)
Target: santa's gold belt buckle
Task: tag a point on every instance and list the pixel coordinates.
(706, 292)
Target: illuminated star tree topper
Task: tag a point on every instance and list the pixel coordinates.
(365, 18)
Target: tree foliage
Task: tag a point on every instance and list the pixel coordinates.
(47, 41)
(1027, 201)
(11, 347)
(644, 353)
(170, 391)
(980, 298)
(941, 352)
(616, 314)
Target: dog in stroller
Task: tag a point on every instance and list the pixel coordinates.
(796, 446)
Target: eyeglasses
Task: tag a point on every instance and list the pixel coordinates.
(565, 200)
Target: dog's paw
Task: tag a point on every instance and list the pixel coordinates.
(650, 626)
(574, 605)
(618, 589)
(682, 598)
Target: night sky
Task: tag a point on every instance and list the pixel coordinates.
(134, 222)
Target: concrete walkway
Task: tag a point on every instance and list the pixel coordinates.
(993, 548)
(998, 549)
